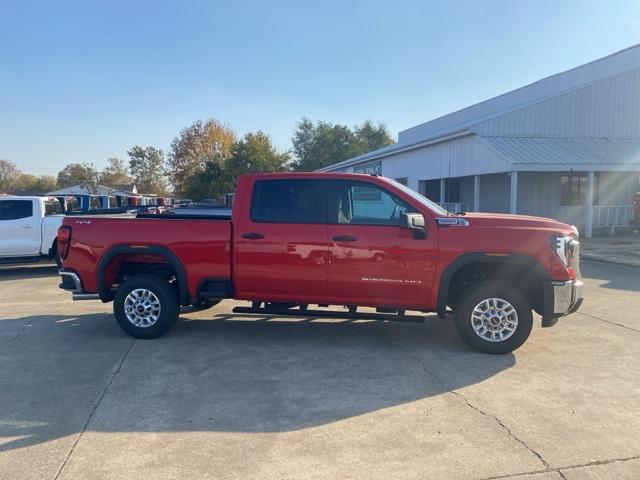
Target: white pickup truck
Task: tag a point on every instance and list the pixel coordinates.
(28, 228)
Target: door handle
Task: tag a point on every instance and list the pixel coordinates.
(344, 238)
(28, 227)
(252, 236)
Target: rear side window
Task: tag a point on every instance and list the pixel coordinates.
(52, 207)
(289, 201)
(15, 209)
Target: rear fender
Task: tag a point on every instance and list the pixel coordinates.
(110, 262)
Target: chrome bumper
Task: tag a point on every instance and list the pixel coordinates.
(71, 278)
(567, 296)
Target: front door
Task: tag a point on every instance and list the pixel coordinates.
(374, 261)
(19, 228)
(281, 245)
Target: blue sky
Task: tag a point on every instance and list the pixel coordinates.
(82, 81)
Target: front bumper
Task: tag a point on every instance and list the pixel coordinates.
(567, 297)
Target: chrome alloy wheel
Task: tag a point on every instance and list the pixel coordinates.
(142, 308)
(494, 320)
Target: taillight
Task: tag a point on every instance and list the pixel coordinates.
(64, 241)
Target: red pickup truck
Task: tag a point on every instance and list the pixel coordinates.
(300, 239)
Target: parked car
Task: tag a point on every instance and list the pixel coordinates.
(295, 240)
(28, 227)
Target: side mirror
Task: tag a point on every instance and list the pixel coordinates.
(414, 222)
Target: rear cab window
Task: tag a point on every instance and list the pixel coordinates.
(52, 207)
(289, 201)
(15, 209)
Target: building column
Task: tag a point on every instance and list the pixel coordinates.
(513, 198)
(413, 183)
(476, 193)
(443, 184)
(588, 222)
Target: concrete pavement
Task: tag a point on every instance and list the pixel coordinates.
(227, 396)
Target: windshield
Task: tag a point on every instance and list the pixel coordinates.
(434, 207)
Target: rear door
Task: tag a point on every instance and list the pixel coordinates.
(373, 260)
(280, 241)
(19, 228)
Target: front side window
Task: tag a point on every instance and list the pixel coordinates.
(289, 201)
(366, 204)
(15, 209)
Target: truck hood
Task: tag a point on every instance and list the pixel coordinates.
(503, 220)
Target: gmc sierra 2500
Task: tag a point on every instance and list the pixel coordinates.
(300, 239)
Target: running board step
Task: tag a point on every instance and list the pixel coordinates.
(292, 312)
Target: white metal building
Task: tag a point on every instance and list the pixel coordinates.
(566, 146)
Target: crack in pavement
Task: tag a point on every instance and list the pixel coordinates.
(488, 415)
(510, 433)
(95, 407)
(569, 467)
(28, 323)
(609, 322)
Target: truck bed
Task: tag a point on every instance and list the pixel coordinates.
(203, 243)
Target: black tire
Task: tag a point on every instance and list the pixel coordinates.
(57, 259)
(487, 290)
(201, 305)
(164, 294)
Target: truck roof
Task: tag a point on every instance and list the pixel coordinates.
(332, 175)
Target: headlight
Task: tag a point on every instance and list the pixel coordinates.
(563, 246)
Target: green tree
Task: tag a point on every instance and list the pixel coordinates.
(115, 173)
(9, 173)
(46, 184)
(147, 169)
(323, 143)
(26, 184)
(211, 181)
(78, 174)
(370, 137)
(255, 153)
(201, 142)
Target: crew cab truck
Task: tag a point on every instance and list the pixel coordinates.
(28, 228)
(299, 239)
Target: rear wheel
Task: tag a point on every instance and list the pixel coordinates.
(493, 317)
(146, 306)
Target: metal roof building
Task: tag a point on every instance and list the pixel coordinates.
(566, 146)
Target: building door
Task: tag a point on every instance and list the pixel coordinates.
(281, 246)
(374, 261)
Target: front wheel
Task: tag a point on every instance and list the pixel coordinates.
(146, 306)
(493, 317)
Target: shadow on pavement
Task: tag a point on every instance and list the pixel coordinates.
(19, 272)
(619, 277)
(230, 373)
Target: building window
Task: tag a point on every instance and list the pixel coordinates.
(403, 180)
(430, 189)
(452, 190)
(573, 189)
